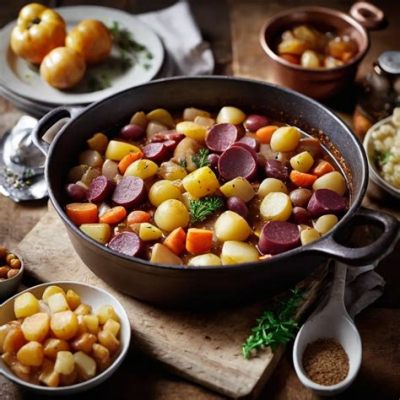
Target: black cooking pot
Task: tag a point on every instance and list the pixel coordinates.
(170, 285)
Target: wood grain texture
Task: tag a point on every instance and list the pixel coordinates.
(202, 346)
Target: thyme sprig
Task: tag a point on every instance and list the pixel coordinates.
(274, 327)
(203, 208)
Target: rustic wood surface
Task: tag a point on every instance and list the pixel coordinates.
(379, 325)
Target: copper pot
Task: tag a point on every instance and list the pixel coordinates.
(317, 82)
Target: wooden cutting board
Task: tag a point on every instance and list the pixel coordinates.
(204, 347)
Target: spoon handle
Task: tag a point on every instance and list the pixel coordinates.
(338, 286)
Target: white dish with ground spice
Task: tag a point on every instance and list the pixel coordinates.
(319, 345)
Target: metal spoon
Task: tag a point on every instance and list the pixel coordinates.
(334, 322)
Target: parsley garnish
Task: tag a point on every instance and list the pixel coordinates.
(382, 158)
(182, 163)
(201, 158)
(202, 208)
(274, 327)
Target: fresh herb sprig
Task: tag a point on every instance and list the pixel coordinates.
(203, 208)
(274, 327)
(382, 158)
(201, 158)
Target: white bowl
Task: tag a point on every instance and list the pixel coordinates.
(9, 286)
(373, 171)
(91, 295)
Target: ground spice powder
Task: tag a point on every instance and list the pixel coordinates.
(325, 362)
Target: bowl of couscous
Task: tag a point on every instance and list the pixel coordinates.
(382, 145)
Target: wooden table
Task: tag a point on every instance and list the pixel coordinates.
(379, 325)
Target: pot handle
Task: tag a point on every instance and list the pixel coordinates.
(373, 252)
(368, 15)
(51, 125)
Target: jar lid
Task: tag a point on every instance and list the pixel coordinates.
(389, 62)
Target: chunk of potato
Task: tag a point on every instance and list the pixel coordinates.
(14, 340)
(92, 323)
(117, 150)
(192, 130)
(325, 223)
(112, 326)
(108, 340)
(53, 345)
(73, 299)
(50, 290)
(163, 190)
(85, 342)
(64, 324)
(142, 169)
(25, 305)
(292, 46)
(4, 329)
(98, 231)
(139, 118)
(231, 115)
(48, 376)
(270, 185)
(204, 260)
(149, 232)
(171, 171)
(161, 254)
(65, 363)
(82, 328)
(201, 182)
(309, 235)
(234, 252)
(190, 113)
(276, 206)
(285, 138)
(57, 302)
(102, 355)
(204, 121)
(231, 226)
(332, 180)
(162, 116)
(302, 162)
(239, 187)
(71, 379)
(83, 309)
(31, 354)
(154, 127)
(171, 214)
(106, 312)
(98, 142)
(85, 365)
(36, 327)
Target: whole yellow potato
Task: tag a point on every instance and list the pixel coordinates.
(92, 39)
(63, 68)
(171, 214)
(231, 226)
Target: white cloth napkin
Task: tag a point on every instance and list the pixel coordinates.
(182, 40)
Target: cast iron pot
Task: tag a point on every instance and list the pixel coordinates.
(169, 285)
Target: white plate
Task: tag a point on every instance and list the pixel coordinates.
(18, 76)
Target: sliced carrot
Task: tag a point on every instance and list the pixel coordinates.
(138, 216)
(128, 160)
(322, 168)
(82, 213)
(264, 134)
(291, 58)
(175, 241)
(113, 215)
(302, 179)
(199, 241)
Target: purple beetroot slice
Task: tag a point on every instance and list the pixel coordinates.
(326, 201)
(278, 236)
(253, 143)
(221, 136)
(156, 152)
(237, 161)
(127, 243)
(99, 189)
(129, 192)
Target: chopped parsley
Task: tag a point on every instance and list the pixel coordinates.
(203, 208)
(201, 158)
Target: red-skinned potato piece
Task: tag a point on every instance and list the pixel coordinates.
(129, 192)
(156, 152)
(275, 169)
(132, 132)
(167, 135)
(127, 243)
(221, 136)
(255, 121)
(100, 188)
(76, 192)
(237, 161)
(325, 201)
(278, 236)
